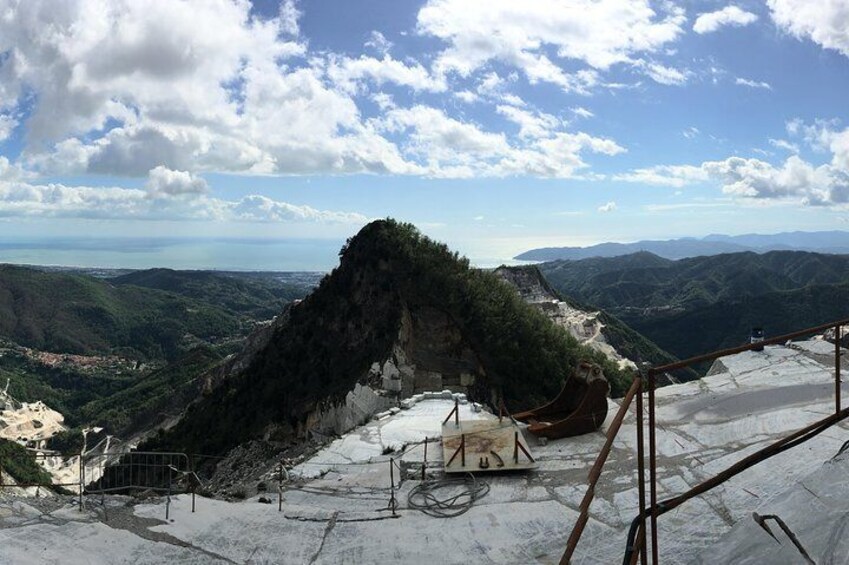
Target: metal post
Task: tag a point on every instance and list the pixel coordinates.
(392, 488)
(837, 368)
(457, 412)
(595, 474)
(424, 462)
(280, 487)
(81, 482)
(168, 501)
(641, 473)
(463, 450)
(515, 447)
(653, 469)
(194, 479)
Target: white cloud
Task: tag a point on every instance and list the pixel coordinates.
(665, 175)
(691, 132)
(128, 88)
(531, 124)
(581, 112)
(348, 72)
(824, 136)
(446, 147)
(256, 208)
(7, 126)
(824, 22)
(609, 207)
(10, 171)
(466, 96)
(378, 42)
(439, 138)
(752, 83)
(198, 85)
(784, 144)
(494, 87)
(165, 182)
(289, 16)
(794, 180)
(728, 16)
(664, 75)
(598, 33)
(22, 199)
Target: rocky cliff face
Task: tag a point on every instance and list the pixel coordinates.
(584, 325)
(430, 353)
(400, 315)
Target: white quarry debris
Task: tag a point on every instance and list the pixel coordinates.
(28, 423)
(31, 424)
(335, 505)
(584, 326)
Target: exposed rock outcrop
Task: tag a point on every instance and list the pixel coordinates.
(585, 326)
(400, 315)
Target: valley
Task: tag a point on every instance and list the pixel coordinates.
(694, 305)
(331, 377)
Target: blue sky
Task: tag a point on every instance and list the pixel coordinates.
(494, 126)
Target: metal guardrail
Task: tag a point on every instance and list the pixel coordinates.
(645, 383)
(135, 470)
(166, 473)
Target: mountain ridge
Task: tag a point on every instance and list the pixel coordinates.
(400, 313)
(699, 304)
(832, 242)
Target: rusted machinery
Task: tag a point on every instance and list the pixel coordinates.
(580, 408)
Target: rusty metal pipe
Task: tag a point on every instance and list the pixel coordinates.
(595, 473)
(653, 467)
(641, 476)
(773, 449)
(639, 549)
(463, 450)
(725, 352)
(837, 368)
(424, 461)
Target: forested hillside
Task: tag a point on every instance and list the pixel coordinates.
(260, 298)
(352, 320)
(696, 305)
(79, 314)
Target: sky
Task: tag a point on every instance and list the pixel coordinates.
(260, 135)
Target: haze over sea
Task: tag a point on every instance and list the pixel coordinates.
(226, 254)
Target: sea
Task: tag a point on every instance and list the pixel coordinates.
(225, 254)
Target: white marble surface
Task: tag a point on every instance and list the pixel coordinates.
(337, 511)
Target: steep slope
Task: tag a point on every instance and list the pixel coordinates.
(644, 281)
(152, 399)
(260, 298)
(727, 323)
(80, 314)
(700, 304)
(400, 314)
(593, 328)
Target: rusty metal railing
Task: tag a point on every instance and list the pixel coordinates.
(103, 473)
(595, 471)
(637, 545)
